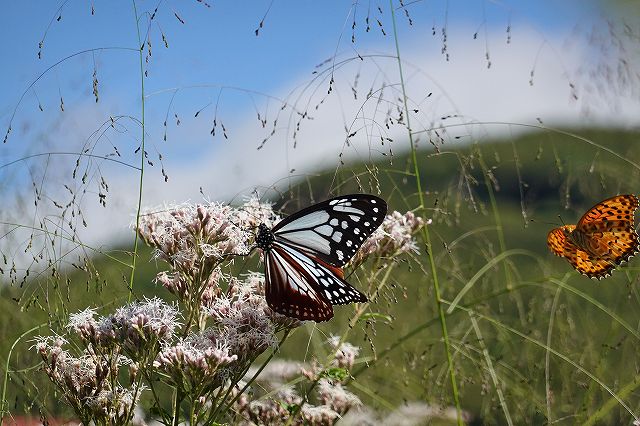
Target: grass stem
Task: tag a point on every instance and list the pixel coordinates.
(142, 153)
(425, 229)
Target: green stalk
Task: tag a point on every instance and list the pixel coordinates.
(547, 358)
(624, 392)
(491, 369)
(192, 414)
(425, 229)
(234, 381)
(6, 371)
(142, 151)
(176, 407)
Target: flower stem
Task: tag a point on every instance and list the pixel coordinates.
(425, 230)
(142, 152)
(176, 407)
(3, 405)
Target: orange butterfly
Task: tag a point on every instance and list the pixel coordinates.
(603, 238)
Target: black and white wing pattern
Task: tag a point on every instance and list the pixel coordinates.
(304, 254)
(301, 287)
(333, 230)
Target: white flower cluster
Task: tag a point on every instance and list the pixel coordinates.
(138, 328)
(195, 362)
(277, 409)
(143, 325)
(243, 327)
(345, 354)
(333, 395)
(183, 234)
(318, 415)
(244, 320)
(197, 241)
(333, 400)
(90, 381)
(114, 404)
(273, 410)
(87, 381)
(393, 237)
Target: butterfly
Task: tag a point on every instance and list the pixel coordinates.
(603, 238)
(305, 253)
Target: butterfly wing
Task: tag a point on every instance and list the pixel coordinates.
(301, 287)
(581, 260)
(609, 228)
(610, 215)
(590, 266)
(557, 241)
(333, 230)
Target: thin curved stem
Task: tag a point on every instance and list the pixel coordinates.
(425, 230)
(6, 370)
(142, 153)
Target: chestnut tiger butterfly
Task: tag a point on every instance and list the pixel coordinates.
(305, 252)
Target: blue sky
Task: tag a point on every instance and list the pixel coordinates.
(216, 47)
(217, 44)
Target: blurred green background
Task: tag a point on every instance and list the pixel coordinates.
(488, 201)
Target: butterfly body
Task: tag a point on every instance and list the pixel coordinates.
(265, 237)
(305, 253)
(602, 239)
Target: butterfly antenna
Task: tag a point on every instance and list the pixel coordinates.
(562, 221)
(545, 222)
